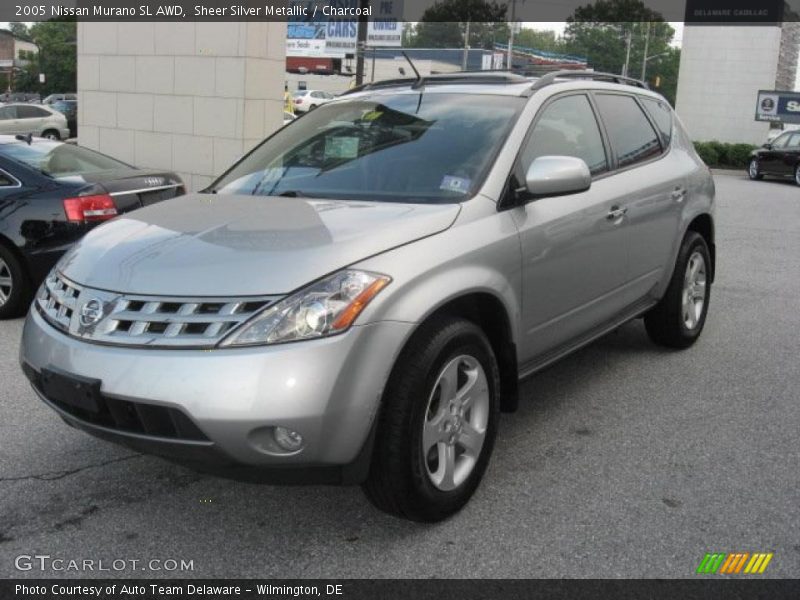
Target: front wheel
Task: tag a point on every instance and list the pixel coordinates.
(797, 174)
(753, 170)
(438, 423)
(678, 319)
(51, 134)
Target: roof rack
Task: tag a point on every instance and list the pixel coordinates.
(551, 78)
(473, 77)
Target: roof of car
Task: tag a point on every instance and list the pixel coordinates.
(505, 83)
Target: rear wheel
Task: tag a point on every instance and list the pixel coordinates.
(797, 174)
(678, 319)
(14, 286)
(753, 170)
(51, 134)
(437, 424)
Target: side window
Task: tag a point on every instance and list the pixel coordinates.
(6, 180)
(567, 127)
(662, 115)
(794, 141)
(781, 141)
(31, 112)
(630, 133)
(8, 112)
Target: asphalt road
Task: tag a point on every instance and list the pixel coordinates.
(624, 460)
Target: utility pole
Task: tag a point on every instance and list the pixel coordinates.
(361, 41)
(510, 57)
(627, 54)
(644, 55)
(465, 59)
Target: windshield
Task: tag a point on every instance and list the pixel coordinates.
(60, 160)
(402, 148)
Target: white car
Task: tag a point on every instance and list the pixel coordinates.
(37, 119)
(305, 100)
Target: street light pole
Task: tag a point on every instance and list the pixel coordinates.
(644, 54)
(361, 40)
(510, 63)
(627, 54)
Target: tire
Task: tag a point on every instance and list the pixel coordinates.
(312, 107)
(15, 289)
(678, 319)
(753, 170)
(797, 174)
(407, 480)
(51, 134)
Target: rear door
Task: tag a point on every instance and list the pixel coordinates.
(771, 159)
(574, 253)
(651, 181)
(32, 119)
(791, 154)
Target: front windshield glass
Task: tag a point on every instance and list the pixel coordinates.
(406, 147)
(60, 160)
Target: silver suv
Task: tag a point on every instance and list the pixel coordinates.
(356, 299)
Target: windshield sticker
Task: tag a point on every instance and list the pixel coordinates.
(455, 184)
(372, 115)
(341, 147)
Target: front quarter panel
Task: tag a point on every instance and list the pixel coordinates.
(479, 254)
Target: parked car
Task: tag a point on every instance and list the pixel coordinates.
(53, 98)
(38, 120)
(51, 194)
(68, 108)
(306, 100)
(356, 299)
(779, 158)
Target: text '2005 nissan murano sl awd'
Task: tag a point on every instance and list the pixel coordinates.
(356, 299)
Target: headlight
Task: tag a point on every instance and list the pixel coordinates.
(324, 308)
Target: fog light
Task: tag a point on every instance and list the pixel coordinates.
(289, 440)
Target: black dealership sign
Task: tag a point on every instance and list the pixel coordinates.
(778, 107)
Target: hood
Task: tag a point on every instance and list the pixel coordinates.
(224, 245)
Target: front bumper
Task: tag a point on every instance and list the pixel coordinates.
(328, 390)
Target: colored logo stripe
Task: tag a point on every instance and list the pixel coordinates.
(734, 563)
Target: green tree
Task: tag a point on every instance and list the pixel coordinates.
(57, 59)
(599, 31)
(443, 25)
(20, 30)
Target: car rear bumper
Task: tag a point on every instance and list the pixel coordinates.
(216, 410)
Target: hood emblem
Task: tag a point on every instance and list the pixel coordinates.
(91, 312)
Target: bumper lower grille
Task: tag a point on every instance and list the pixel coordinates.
(127, 416)
(131, 320)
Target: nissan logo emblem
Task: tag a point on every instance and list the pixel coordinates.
(91, 312)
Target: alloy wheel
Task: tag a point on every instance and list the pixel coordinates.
(456, 419)
(6, 282)
(694, 290)
(753, 169)
(797, 174)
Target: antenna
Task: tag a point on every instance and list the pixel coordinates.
(413, 68)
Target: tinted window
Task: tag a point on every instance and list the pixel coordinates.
(31, 112)
(8, 112)
(60, 160)
(630, 133)
(567, 127)
(781, 141)
(422, 147)
(662, 115)
(5, 180)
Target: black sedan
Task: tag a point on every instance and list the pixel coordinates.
(780, 158)
(51, 194)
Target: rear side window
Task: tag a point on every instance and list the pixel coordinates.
(662, 115)
(630, 133)
(8, 112)
(31, 112)
(567, 127)
(794, 141)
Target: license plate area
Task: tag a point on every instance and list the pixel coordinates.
(73, 390)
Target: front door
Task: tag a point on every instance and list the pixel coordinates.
(574, 249)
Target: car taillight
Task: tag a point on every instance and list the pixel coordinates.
(298, 101)
(83, 209)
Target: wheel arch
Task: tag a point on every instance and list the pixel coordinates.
(703, 224)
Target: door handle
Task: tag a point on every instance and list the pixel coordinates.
(616, 213)
(678, 194)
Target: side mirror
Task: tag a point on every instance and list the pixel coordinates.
(557, 176)
(767, 146)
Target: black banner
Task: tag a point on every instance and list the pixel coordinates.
(389, 589)
(690, 11)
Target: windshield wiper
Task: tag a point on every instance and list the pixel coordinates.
(294, 194)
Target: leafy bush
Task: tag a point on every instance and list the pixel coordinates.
(723, 155)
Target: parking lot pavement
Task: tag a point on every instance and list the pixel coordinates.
(624, 459)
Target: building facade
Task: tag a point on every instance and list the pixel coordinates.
(190, 97)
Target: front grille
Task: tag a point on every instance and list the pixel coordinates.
(128, 416)
(133, 320)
